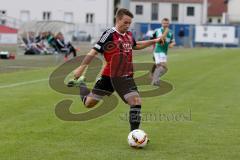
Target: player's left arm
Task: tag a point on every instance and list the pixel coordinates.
(172, 44)
(144, 44)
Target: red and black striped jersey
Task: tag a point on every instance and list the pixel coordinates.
(117, 51)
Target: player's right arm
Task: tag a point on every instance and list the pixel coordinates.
(164, 35)
(86, 61)
(99, 47)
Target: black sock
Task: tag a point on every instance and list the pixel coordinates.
(135, 117)
(84, 91)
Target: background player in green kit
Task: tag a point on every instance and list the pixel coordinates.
(160, 52)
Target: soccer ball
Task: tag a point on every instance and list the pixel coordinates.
(137, 138)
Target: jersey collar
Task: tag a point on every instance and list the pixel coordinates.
(123, 34)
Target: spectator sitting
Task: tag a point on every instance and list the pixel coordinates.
(30, 43)
(61, 46)
(41, 42)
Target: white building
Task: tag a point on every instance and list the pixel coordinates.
(233, 11)
(178, 11)
(73, 11)
(94, 16)
(102, 11)
(217, 10)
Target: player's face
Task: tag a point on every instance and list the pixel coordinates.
(124, 23)
(165, 24)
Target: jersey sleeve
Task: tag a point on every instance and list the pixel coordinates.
(154, 35)
(105, 38)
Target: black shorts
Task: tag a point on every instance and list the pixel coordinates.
(124, 86)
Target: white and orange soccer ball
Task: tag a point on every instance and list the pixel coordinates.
(137, 138)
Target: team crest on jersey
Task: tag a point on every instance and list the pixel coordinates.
(110, 47)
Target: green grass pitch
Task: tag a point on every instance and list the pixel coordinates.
(206, 90)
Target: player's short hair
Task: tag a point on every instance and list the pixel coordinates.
(165, 19)
(123, 11)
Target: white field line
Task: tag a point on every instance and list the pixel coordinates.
(21, 67)
(23, 83)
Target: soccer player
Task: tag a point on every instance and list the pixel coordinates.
(116, 45)
(160, 52)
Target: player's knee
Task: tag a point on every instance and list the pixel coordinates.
(134, 100)
(163, 66)
(90, 103)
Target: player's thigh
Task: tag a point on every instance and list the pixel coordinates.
(103, 87)
(127, 90)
